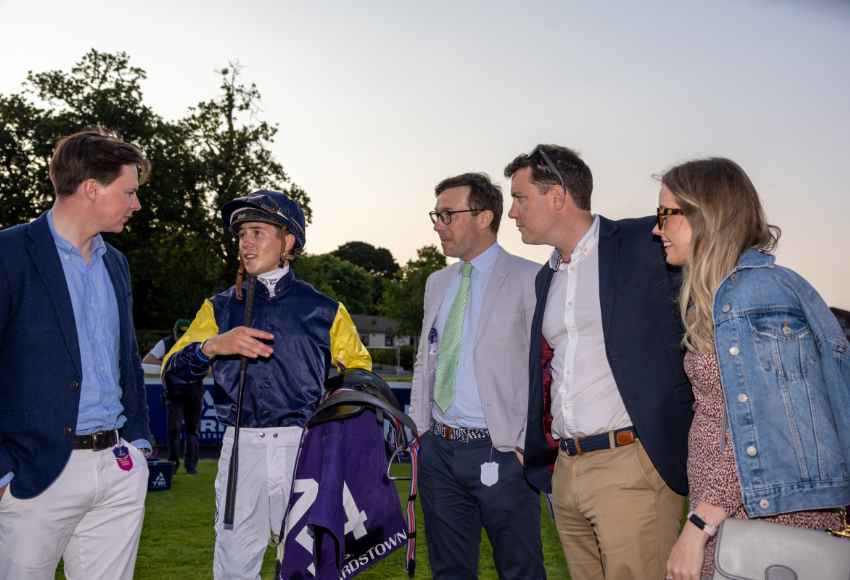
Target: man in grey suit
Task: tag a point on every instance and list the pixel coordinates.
(469, 395)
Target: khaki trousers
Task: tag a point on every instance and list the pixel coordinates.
(616, 518)
(90, 517)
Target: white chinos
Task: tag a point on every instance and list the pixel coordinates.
(90, 517)
(266, 465)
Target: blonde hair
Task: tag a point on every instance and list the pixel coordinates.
(726, 217)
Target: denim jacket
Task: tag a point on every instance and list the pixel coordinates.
(785, 368)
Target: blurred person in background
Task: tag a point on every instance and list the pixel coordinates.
(184, 401)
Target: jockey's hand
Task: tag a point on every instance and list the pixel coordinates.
(242, 340)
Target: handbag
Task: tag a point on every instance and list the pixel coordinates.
(755, 550)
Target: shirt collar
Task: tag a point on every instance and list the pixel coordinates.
(98, 246)
(273, 278)
(752, 258)
(274, 275)
(483, 262)
(585, 245)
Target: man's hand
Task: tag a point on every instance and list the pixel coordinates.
(2, 490)
(241, 340)
(519, 456)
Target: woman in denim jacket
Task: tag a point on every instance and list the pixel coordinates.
(769, 364)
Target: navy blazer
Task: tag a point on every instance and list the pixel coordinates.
(40, 369)
(642, 329)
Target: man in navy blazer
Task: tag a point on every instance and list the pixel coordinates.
(609, 403)
(74, 414)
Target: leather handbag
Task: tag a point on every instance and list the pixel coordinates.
(755, 550)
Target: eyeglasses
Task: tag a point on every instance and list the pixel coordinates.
(662, 213)
(548, 165)
(445, 216)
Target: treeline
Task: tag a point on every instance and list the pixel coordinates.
(220, 149)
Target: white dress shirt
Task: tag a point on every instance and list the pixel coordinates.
(585, 398)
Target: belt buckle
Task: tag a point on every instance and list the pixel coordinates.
(579, 450)
(98, 438)
(624, 438)
(449, 432)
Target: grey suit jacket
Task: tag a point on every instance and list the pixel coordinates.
(500, 354)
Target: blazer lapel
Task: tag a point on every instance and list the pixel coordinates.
(497, 277)
(438, 294)
(45, 258)
(113, 266)
(609, 254)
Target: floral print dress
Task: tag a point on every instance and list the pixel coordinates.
(712, 472)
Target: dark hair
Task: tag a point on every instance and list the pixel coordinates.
(483, 194)
(577, 177)
(93, 154)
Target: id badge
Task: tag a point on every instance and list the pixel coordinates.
(489, 473)
(122, 457)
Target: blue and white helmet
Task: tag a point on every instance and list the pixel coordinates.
(271, 207)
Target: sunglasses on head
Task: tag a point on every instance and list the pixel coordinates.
(662, 213)
(548, 165)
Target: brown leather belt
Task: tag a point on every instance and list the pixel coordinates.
(97, 441)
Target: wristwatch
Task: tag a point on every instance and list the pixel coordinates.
(706, 527)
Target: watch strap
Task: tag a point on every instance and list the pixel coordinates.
(706, 527)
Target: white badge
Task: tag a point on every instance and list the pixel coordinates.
(489, 473)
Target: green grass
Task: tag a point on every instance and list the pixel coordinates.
(177, 539)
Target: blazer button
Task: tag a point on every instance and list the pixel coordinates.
(764, 504)
(734, 351)
(743, 398)
(68, 431)
(727, 307)
(752, 451)
(75, 385)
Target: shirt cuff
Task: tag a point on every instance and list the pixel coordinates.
(199, 353)
(6, 479)
(141, 444)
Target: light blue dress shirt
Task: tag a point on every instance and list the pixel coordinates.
(466, 410)
(96, 316)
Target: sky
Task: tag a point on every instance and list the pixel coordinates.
(377, 101)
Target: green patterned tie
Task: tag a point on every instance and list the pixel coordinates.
(444, 389)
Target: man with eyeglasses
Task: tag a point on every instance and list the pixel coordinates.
(469, 392)
(609, 403)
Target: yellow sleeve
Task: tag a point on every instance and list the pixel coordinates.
(203, 327)
(346, 347)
